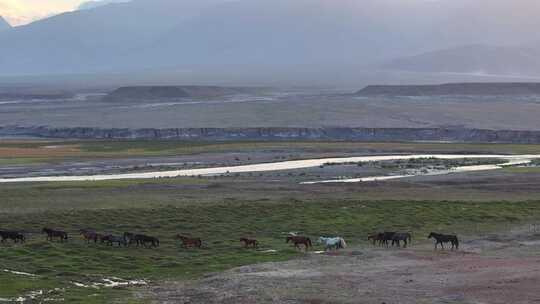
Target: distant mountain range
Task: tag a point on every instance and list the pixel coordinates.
(4, 25)
(195, 34)
(94, 4)
(453, 89)
(473, 59)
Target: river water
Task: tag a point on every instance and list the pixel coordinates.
(289, 165)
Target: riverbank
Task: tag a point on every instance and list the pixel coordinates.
(460, 135)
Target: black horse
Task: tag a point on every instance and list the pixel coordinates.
(130, 238)
(12, 235)
(111, 239)
(444, 238)
(400, 236)
(51, 234)
(144, 240)
(386, 237)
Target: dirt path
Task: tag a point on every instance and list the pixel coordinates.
(494, 269)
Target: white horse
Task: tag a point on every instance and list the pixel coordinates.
(332, 243)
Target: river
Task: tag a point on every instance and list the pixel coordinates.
(285, 165)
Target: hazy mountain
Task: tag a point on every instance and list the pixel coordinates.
(473, 59)
(250, 33)
(4, 25)
(94, 4)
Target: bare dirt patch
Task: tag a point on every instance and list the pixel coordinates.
(492, 269)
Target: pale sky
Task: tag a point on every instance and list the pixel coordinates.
(18, 12)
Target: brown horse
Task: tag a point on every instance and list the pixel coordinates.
(299, 240)
(249, 242)
(90, 235)
(189, 242)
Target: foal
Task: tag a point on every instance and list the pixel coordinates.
(189, 242)
(299, 240)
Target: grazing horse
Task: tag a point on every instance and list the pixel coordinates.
(332, 243)
(398, 237)
(249, 242)
(299, 240)
(12, 235)
(90, 235)
(111, 239)
(444, 238)
(143, 240)
(51, 234)
(189, 242)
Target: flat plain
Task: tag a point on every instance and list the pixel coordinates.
(222, 209)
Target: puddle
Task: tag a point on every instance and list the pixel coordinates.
(112, 282)
(20, 273)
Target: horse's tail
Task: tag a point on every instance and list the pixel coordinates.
(409, 236)
(309, 242)
(343, 243)
(457, 243)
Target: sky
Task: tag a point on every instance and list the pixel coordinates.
(18, 12)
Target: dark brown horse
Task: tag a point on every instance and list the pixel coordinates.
(376, 238)
(444, 238)
(51, 234)
(401, 236)
(299, 240)
(386, 237)
(249, 242)
(189, 242)
(144, 240)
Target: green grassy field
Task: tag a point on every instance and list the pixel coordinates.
(220, 211)
(220, 224)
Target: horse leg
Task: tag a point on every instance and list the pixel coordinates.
(405, 243)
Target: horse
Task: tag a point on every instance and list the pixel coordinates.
(444, 238)
(90, 235)
(12, 235)
(332, 243)
(189, 242)
(386, 237)
(376, 238)
(399, 236)
(249, 242)
(130, 238)
(111, 239)
(143, 240)
(299, 240)
(51, 234)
